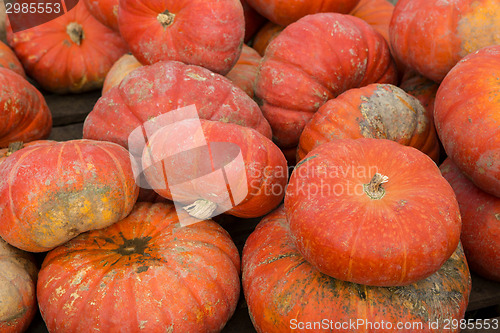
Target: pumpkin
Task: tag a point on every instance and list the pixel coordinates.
(145, 272)
(422, 89)
(253, 20)
(347, 52)
(152, 91)
(8, 59)
(24, 114)
(70, 54)
(379, 111)
(17, 288)
(105, 11)
(287, 12)
(119, 70)
(253, 169)
(377, 13)
(50, 193)
(467, 117)
(372, 211)
(265, 35)
(18, 145)
(165, 30)
(283, 291)
(244, 73)
(431, 36)
(480, 213)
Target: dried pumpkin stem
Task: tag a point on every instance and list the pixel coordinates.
(166, 18)
(374, 188)
(75, 32)
(13, 147)
(201, 209)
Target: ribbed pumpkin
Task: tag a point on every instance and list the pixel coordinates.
(254, 168)
(198, 32)
(144, 273)
(70, 54)
(467, 117)
(284, 291)
(119, 70)
(265, 35)
(377, 13)
(151, 91)
(105, 11)
(24, 114)
(18, 145)
(8, 59)
(244, 73)
(422, 89)
(313, 60)
(379, 111)
(17, 288)
(372, 211)
(480, 222)
(286, 12)
(431, 36)
(50, 193)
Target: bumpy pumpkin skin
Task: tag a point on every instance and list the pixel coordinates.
(378, 111)
(396, 234)
(52, 192)
(119, 70)
(164, 30)
(8, 59)
(24, 114)
(144, 273)
(431, 36)
(280, 286)
(151, 91)
(18, 145)
(17, 288)
(480, 222)
(70, 54)
(105, 11)
(466, 116)
(265, 168)
(377, 13)
(244, 73)
(347, 52)
(286, 12)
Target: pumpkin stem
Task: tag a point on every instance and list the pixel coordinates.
(75, 32)
(13, 147)
(201, 209)
(166, 18)
(374, 188)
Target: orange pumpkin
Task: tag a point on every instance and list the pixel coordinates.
(379, 111)
(377, 13)
(70, 54)
(382, 210)
(24, 114)
(197, 32)
(283, 291)
(265, 36)
(480, 222)
(8, 59)
(144, 273)
(422, 89)
(467, 117)
(17, 289)
(51, 192)
(313, 60)
(105, 11)
(431, 36)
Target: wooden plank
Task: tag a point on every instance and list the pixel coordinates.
(71, 109)
(68, 132)
(484, 293)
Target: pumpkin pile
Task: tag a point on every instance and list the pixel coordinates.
(364, 136)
